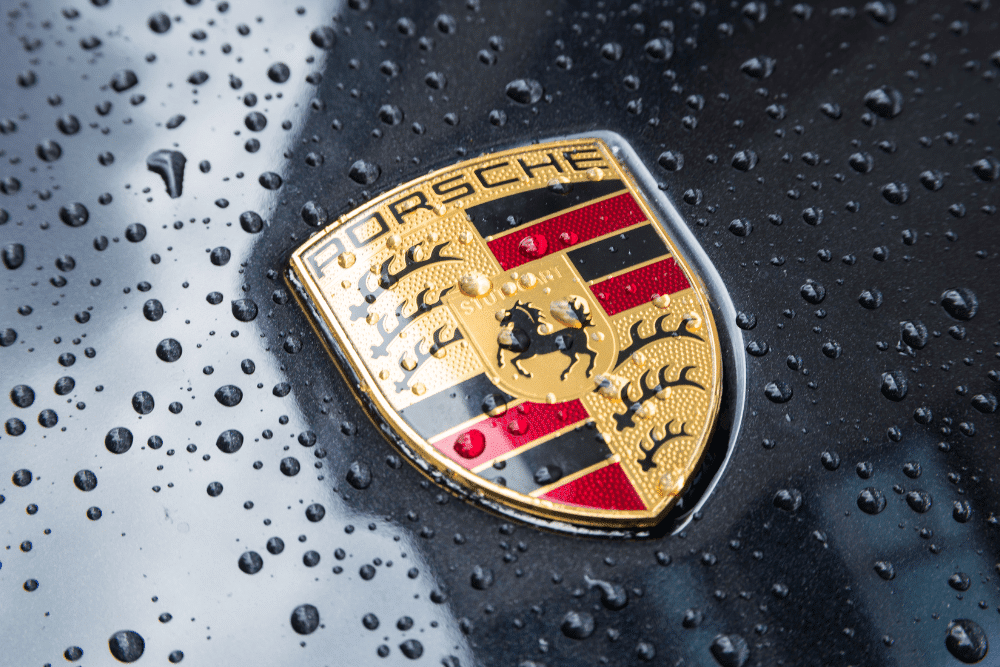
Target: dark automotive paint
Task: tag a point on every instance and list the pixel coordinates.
(191, 477)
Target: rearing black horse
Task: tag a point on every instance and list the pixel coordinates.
(519, 334)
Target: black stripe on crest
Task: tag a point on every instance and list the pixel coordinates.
(453, 406)
(559, 457)
(617, 252)
(506, 213)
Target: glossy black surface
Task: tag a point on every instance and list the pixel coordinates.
(838, 167)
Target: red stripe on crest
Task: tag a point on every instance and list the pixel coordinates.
(566, 230)
(637, 287)
(496, 436)
(606, 488)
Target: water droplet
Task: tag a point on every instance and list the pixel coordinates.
(68, 124)
(730, 650)
(611, 51)
(861, 162)
(813, 292)
(48, 151)
(961, 303)
(229, 395)
(884, 102)
(85, 480)
(159, 23)
(390, 114)
(481, 578)
(885, 570)
(524, 91)
(364, 173)
(229, 441)
(577, 625)
(250, 562)
(313, 214)
(759, 67)
(169, 165)
(168, 350)
(22, 395)
(305, 619)
(987, 169)
(659, 48)
(745, 160)
(412, 649)
(919, 501)
(966, 640)
(894, 385)
(960, 581)
(270, 180)
(896, 193)
(118, 440)
(126, 645)
(278, 72)
(881, 12)
(255, 121)
(870, 299)
(74, 215)
(324, 37)
(741, 227)
(359, 475)
(871, 501)
(789, 500)
(778, 391)
(13, 255)
(289, 466)
(671, 160)
(123, 79)
(142, 402)
(471, 444)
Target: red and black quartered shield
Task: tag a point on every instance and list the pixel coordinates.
(525, 324)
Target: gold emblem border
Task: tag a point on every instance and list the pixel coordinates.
(365, 390)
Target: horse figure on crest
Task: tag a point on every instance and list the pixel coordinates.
(523, 333)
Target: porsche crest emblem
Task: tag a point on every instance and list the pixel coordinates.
(525, 327)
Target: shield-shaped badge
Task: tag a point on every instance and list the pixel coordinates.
(524, 325)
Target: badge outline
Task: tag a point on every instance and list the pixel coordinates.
(442, 469)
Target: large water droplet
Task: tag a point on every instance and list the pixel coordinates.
(894, 385)
(884, 102)
(74, 215)
(966, 640)
(524, 91)
(305, 619)
(871, 501)
(364, 173)
(123, 79)
(730, 650)
(118, 440)
(13, 255)
(229, 441)
(169, 350)
(577, 625)
(126, 645)
(170, 166)
(960, 303)
(359, 475)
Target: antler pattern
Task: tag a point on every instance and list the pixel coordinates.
(381, 349)
(646, 462)
(435, 345)
(387, 279)
(627, 420)
(639, 342)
